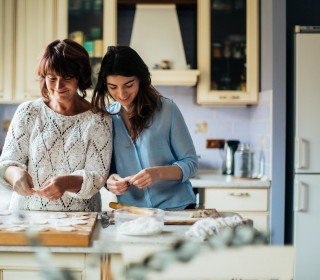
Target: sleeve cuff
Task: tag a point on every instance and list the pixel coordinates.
(3, 167)
(87, 188)
(185, 170)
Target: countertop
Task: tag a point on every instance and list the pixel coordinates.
(106, 240)
(214, 179)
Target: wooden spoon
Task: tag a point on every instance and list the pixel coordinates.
(131, 209)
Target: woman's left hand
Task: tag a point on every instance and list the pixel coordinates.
(55, 187)
(145, 178)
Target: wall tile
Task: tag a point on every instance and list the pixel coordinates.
(6, 113)
(247, 124)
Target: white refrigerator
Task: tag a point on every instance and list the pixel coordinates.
(307, 153)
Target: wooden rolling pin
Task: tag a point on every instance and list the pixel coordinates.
(131, 209)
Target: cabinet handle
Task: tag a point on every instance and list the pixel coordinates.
(301, 154)
(239, 194)
(300, 196)
(229, 97)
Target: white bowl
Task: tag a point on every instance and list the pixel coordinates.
(149, 223)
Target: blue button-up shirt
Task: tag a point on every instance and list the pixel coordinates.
(166, 142)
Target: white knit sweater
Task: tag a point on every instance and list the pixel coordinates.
(48, 144)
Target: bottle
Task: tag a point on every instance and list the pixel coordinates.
(243, 161)
(262, 160)
(261, 172)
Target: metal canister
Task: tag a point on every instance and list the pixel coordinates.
(244, 161)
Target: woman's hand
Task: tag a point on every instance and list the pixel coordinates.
(55, 187)
(20, 180)
(117, 185)
(145, 177)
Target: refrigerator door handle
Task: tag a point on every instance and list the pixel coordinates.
(301, 153)
(300, 196)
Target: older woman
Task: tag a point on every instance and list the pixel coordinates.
(57, 152)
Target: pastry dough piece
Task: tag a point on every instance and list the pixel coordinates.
(39, 222)
(65, 228)
(39, 228)
(58, 215)
(79, 222)
(6, 226)
(82, 214)
(62, 223)
(17, 222)
(82, 217)
(5, 213)
(16, 229)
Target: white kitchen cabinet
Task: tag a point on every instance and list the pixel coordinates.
(18, 265)
(228, 52)
(31, 275)
(36, 26)
(251, 203)
(6, 49)
(27, 27)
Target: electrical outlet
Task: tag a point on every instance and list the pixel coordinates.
(215, 143)
(5, 125)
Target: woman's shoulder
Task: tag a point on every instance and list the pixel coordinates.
(167, 104)
(97, 120)
(29, 108)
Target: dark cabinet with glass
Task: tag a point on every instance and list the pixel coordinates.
(92, 24)
(228, 56)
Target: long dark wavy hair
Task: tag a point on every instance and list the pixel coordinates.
(67, 59)
(124, 61)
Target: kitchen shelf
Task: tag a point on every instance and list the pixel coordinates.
(175, 77)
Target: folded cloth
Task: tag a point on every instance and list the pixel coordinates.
(205, 227)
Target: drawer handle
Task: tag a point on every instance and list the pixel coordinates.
(239, 194)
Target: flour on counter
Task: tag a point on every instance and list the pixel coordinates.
(141, 226)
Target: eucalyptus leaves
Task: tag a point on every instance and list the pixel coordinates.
(185, 250)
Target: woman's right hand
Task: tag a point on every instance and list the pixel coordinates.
(117, 185)
(20, 180)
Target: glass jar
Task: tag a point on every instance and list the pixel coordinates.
(244, 161)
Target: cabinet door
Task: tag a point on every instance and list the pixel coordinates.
(260, 220)
(6, 49)
(32, 275)
(36, 27)
(228, 54)
(306, 226)
(235, 200)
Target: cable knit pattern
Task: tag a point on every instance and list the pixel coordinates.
(48, 144)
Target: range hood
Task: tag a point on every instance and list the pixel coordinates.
(156, 37)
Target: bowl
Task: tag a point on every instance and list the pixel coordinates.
(148, 223)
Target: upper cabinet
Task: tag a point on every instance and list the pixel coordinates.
(36, 26)
(6, 49)
(151, 29)
(228, 52)
(93, 25)
(184, 42)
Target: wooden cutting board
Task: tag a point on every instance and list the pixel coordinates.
(80, 237)
(189, 216)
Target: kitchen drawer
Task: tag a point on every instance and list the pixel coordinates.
(32, 275)
(260, 221)
(236, 200)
